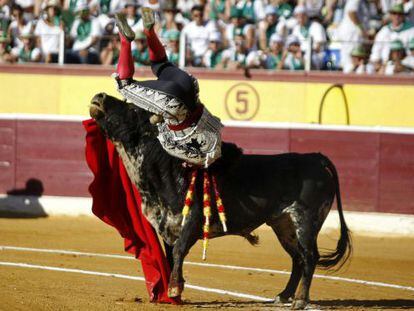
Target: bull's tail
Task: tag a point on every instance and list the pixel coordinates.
(344, 247)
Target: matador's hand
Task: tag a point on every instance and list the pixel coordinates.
(155, 119)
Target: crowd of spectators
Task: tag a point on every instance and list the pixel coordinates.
(360, 36)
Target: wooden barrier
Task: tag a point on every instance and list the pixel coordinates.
(376, 169)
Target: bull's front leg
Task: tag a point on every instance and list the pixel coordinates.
(190, 233)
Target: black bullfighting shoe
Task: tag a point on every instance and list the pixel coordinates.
(123, 27)
(148, 18)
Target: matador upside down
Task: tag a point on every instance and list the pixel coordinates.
(187, 130)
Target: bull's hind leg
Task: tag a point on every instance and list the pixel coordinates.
(306, 231)
(286, 233)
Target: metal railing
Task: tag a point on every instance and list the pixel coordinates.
(332, 46)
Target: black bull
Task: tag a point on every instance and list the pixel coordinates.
(292, 193)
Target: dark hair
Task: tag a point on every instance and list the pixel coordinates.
(16, 7)
(197, 7)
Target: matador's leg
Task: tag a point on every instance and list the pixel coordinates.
(125, 68)
(157, 52)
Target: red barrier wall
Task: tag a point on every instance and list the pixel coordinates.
(376, 169)
(50, 151)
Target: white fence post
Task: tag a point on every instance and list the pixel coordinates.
(183, 44)
(61, 57)
(308, 54)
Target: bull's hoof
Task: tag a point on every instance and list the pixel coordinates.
(280, 299)
(299, 304)
(175, 291)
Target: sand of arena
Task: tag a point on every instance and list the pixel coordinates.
(379, 259)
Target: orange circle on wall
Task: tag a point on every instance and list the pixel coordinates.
(242, 102)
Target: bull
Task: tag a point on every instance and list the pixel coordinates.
(292, 193)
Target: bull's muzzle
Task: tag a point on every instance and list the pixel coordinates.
(97, 109)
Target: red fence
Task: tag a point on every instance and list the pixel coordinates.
(376, 169)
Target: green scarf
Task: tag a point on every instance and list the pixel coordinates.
(269, 32)
(72, 5)
(174, 58)
(284, 10)
(141, 58)
(248, 11)
(273, 60)
(404, 26)
(236, 58)
(297, 64)
(217, 7)
(56, 21)
(105, 6)
(237, 30)
(115, 57)
(215, 59)
(304, 30)
(25, 56)
(84, 30)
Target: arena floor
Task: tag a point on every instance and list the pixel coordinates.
(387, 263)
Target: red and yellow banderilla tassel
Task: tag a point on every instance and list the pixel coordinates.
(206, 206)
(206, 212)
(189, 197)
(220, 206)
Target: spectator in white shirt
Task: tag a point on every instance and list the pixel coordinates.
(170, 21)
(268, 27)
(313, 7)
(292, 58)
(48, 30)
(213, 57)
(252, 10)
(185, 7)
(238, 23)
(28, 52)
(197, 35)
(19, 26)
(132, 15)
(409, 60)
(28, 7)
(353, 28)
(306, 29)
(394, 65)
(360, 63)
(4, 16)
(173, 47)
(237, 57)
(275, 54)
(85, 32)
(105, 11)
(5, 51)
(386, 6)
(397, 29)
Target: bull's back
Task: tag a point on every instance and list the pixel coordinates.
(278, 177)
(274, 166)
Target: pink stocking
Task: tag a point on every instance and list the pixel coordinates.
(125, 66)
(156, 49)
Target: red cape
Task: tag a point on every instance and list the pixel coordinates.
(118, 203)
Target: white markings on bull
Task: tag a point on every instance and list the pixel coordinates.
(229, 267)
(134, 278)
